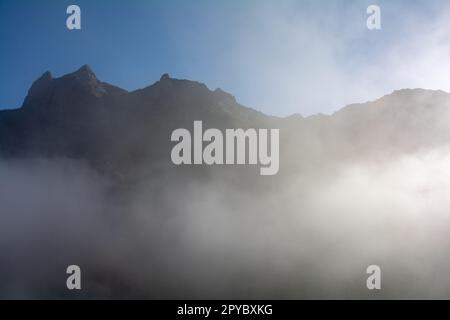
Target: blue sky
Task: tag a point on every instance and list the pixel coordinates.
(280, 57)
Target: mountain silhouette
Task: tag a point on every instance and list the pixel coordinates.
(78, 116)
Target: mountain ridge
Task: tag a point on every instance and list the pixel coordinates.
(78, 116)
(87, 75)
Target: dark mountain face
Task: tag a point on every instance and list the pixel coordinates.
(104, 194)
(78, 116)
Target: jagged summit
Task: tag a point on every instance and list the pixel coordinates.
(85, 72)
(85, 68)
(407, 100)
(77, 115)
(40, 91)
(410, 94)
(85, 80)
(84, 85)
(81, 84)
(46, 76)
(164, 77)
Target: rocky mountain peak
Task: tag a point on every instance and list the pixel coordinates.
(40, 91)
(165, 77)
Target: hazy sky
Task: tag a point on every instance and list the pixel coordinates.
(280, 57)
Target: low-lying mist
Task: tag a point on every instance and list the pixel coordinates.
(313, 237)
